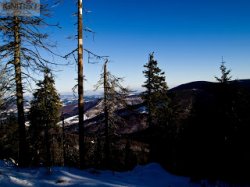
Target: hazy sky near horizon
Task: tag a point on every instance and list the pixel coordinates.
(189, 37)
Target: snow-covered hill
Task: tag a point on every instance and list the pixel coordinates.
(135, 119)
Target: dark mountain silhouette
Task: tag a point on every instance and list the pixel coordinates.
(209, 133)
(205, 85)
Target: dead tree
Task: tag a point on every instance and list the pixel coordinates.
(22, 42)
(63, 139)
(80, 84)
(114, 98)
(106, 113)
(80, 78)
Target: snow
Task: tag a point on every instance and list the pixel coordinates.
(142, 110)
(19, 182)
(149, 175)
(72, 120)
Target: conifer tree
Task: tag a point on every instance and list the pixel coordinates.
(155, 95)
(22, 43)
(225, 73)
(227, 101)
(44, 115)
(114, 98)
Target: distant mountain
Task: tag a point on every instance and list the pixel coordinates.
(210, 129)
(201, 99)
(71, 106)
(205, 85)
(134, 117)
(193, 85)
(185, 100)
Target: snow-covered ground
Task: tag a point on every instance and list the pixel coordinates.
(151, 175)
(72, 120)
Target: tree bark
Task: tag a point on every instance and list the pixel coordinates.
(80, 85)
(22, 151)
(63, 140)
(150, 121)
(106, 115)
(48, 145)
(47, 128)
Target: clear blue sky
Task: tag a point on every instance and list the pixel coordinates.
(189, 37)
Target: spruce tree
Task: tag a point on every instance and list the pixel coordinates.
(155, 95)
(44, 115)
(225, 73)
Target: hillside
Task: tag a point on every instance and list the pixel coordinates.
(210, 129)
(183, 98)
(208, 135)
(204, 85)
(133, 118)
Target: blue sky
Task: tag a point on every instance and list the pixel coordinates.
(189, 37)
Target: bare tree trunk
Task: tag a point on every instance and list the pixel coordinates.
(22, 152)
(80, 85)
(47, 133)
(63, 140)
(106, 115)
(150, 121)
(48, 145)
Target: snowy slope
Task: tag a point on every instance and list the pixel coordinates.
(149, 175)
(72, 120)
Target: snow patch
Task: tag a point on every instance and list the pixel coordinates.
(21, 182)
(142, 110)
(72, 120)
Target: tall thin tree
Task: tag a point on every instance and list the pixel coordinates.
(114, 98)
(19, 94)
(80, 78)
(155, 95)
(80, 83)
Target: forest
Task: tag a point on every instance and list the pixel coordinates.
(198, 129)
